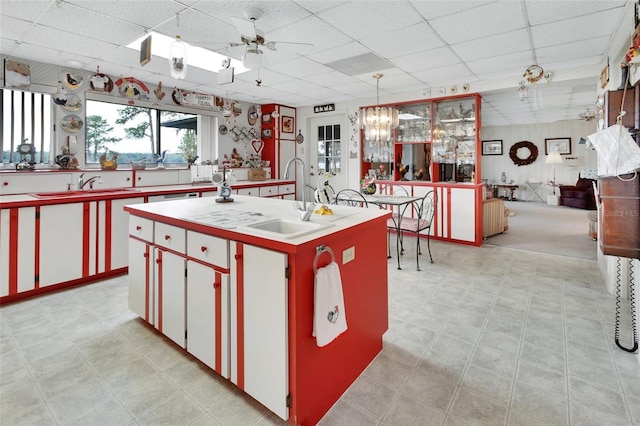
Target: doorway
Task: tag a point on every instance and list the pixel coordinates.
(328, 152)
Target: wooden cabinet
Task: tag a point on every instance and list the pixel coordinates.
(613, 105)
(436, 140)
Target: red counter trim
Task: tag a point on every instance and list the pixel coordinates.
(36, 251)
(86, 228)
(159, 270)
(13, 251)
(240, 312)
(217, 291)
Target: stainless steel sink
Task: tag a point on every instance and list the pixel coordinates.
(86, 192)
(287, 228)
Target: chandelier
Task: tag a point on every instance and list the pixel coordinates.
(378, 122)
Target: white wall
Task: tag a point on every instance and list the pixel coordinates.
(580, 158)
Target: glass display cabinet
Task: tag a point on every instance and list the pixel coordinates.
(435, 141)
(454, 140)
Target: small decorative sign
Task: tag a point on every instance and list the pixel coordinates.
(145, 51)
(324, 108)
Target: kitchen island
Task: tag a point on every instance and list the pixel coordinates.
(233, 284)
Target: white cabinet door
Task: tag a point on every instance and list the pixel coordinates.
(463, 217)
(66, 242)
(114, 225)
(141, 289)
(157, 177)
(264, 330)
(170, 295)
(208, 316)
(35, 182)
(17, 239)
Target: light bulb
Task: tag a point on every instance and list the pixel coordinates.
(178, 59)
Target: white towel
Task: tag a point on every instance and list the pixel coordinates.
(329, 316)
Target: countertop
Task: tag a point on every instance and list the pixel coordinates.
(186, 213)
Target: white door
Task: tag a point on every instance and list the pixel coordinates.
(328, 151)
(141, 279)
(170, 292)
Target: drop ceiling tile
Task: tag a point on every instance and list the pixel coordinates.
(331, 79)
(542, 12)
(436, 9)
(480, 22)
(576, 29)
(67, 42)
(361, 19)
(401, 42)
(449, 74)
(80, 21)
(357, 90)
(27, 10)
(315, 6)
(301, 67)
(575, 50)
(435, 58)
(310, 30)
(337, 53)
(148, 13)
(501, 44)
(12, 28)
(505, 65)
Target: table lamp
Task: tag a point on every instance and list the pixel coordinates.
(553, 158)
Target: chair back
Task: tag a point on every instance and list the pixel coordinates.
(426, 209)
(351, 197)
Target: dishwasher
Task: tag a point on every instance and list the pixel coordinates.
(169, 197)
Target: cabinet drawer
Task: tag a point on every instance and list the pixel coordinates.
(141, 228)
(248, 191)
(212, 250)
(286, 189)
(268, 191)
(170, 237)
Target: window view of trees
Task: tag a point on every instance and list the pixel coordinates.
(136, 132)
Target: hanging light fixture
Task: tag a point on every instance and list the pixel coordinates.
(178, 56)
(253, 58)
(378, 122)
(588, 115)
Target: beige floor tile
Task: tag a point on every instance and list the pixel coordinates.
(477, 409)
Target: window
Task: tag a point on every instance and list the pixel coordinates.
(329, 148)
(25, 116)
(135, 133)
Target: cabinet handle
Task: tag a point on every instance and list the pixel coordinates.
(158, 261)
(216, 285)
(238, 256)
(139, 178)
(5, 183)
(128, 179)
(138, 228)
(167, 237)
(203, 249)
(145, 255)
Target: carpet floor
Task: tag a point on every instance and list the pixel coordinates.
(542, 228)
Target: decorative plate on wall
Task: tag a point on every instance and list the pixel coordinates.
(266, 118)
(223, 129)
(71, 123)
(73, 103)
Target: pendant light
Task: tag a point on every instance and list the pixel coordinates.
(178, 56)
(378, 122)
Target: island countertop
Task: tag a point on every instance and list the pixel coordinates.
(230, 220)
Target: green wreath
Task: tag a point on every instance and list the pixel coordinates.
(533, 153)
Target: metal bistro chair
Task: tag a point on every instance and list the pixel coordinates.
(351, 197)
(424, 210)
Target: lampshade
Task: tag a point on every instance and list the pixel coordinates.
(553, 158)
(253, 58)
(178, 58)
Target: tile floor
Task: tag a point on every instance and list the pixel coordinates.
(483, 336)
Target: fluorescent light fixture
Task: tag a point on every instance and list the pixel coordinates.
(196, 57)
(408, 116)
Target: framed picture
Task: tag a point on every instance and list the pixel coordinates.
(560, 145)
(493, 147)
(145, 51)
(287, 124)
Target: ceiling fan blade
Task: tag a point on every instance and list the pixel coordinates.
(245, 28)
(290, 46)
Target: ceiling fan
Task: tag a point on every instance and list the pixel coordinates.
(588, 115)
(254, 41)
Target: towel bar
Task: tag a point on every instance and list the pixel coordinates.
(319, 250)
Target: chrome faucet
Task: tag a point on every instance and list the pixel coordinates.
(82, 183)
(305, 214)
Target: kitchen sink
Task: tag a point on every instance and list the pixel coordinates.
(287, 228)
(84, 192)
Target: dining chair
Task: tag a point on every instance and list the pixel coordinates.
(350, 197)
(421, 220)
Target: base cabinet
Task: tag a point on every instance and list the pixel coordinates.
(170, 287)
